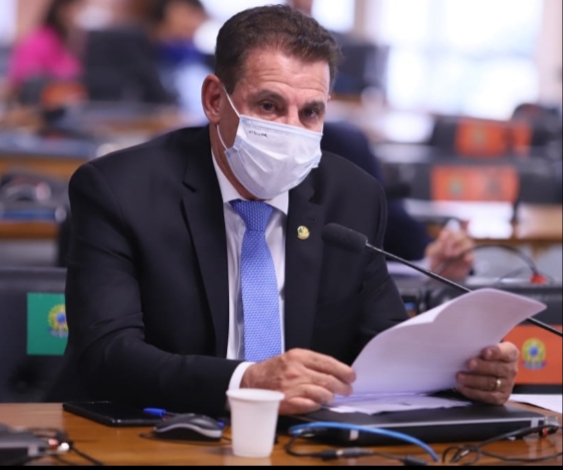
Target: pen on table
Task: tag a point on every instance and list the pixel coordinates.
(159, 412)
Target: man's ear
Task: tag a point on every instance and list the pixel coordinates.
(211, 98)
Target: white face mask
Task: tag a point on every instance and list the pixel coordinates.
(269, 158)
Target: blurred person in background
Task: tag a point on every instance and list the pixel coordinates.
(51, 51)
(151, 60)
(304, 6)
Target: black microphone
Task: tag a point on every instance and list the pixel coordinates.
(350, 240)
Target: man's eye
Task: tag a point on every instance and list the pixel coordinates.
(311, 113)
(268, 106)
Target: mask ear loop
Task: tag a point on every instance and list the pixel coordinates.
(220, 137)
(236, 112)
(231, 102)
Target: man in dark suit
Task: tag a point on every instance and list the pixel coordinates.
(157, 291)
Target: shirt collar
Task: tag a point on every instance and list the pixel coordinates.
(229, 193)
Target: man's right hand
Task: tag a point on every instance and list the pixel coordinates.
(308, 379)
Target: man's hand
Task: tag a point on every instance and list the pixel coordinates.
(490, 377)
(308, 379)
(450, 254)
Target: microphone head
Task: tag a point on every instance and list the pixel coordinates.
(344, 237)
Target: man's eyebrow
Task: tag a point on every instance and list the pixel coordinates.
(318, 104)
(263, 94)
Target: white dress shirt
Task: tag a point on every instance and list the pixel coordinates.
(275, 238)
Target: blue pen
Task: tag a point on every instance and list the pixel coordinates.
(159, 412)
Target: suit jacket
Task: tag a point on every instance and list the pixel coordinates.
(405, 236)
(147, 286)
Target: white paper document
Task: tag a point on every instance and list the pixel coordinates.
(549, 402)
(423, 354)
(372, 404)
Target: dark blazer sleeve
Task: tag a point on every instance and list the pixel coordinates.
(405, 236)
(107, 337)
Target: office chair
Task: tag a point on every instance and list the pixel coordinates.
(33, 331)
(546, 120)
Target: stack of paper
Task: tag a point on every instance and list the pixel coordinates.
(423, 354)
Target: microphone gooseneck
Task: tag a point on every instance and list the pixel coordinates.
(356, 242)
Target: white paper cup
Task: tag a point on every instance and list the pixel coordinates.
(254, 417)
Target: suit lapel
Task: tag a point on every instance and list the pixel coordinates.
(303, 265)
(203, 209)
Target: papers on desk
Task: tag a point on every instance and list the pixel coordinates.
(423, 354)
(373, 404)
(548, 402)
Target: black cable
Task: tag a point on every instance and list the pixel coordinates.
(85, 456)
(475, 450)
(54, 439)
(521, 460)
(348, 452)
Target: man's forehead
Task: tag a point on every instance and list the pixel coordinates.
(266, 71)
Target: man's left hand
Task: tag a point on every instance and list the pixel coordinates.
(490, 377)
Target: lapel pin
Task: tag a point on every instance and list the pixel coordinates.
(303, 232)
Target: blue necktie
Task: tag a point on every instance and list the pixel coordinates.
(260, 297)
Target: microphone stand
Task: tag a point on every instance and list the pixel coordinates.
(449, 282)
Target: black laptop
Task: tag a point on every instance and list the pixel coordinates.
(474, 422)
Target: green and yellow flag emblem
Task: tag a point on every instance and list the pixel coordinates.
(47, 330)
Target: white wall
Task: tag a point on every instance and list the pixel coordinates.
(549, 53)
(7, 21)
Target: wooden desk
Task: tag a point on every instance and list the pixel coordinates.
(125, 446)
(21, 230)
(61, 168)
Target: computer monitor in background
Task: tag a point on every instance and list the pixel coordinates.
(363, 66)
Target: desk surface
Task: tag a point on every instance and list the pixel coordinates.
(125, 446)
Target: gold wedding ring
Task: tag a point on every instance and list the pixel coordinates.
(497, 385)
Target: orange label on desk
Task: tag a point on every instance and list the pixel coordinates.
(61, 93)
(474, 183)
(488, 138)
(540, 355)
